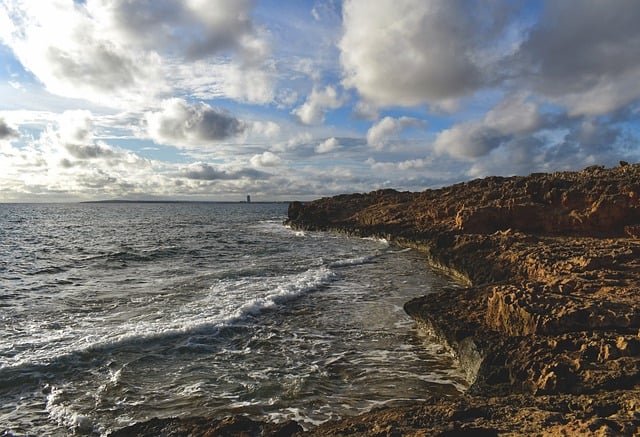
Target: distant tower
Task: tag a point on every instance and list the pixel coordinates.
(248, 198)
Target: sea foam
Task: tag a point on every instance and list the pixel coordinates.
(241, 297)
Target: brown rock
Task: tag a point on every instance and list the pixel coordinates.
(563, 321)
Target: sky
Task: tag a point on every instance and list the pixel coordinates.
(299, 99)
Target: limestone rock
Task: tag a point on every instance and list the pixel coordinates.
(553, 309)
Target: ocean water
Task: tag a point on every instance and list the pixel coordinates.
(117, 313)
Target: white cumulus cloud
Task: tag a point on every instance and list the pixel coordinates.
(319, 101)
(266, 159)
(328, 145)
(379, 135)
(408, 52)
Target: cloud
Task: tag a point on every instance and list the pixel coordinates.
(193, 29)
(48, 168)
(66, 162)
(379, 135)
(6, 131)
(556, 145)
(182, 124)
(317, 104)
(75, 126)
(221, 79)
(580, 65)
(412, 164)
(307, 67)
(74, 141)
(328, 145)
(266, 129)
(589, 140)
(294, 142)
(584, 58)
(68, 52)
(206, 172)
(365, 111)
(472, 139)
(468, 140)
(266, 159)
(91, 151)
(505, 87)
(514, 114)
(118, 52)
(73, 144)
(520, 155)
(411, 52)
(586, 142)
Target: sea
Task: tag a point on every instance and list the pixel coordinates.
(116, 313)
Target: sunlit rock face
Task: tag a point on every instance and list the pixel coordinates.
(551, 315)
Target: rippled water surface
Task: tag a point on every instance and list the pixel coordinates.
(116, 313)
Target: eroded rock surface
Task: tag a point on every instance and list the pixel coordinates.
(551, 316)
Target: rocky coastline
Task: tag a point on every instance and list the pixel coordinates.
(548, 325)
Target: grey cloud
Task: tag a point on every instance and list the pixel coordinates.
(97, 180)
(582, 56)
(588, 141)
(216, 125)
(514, 114)
(206, 172)
(593, 134)
(141, 20)
(65, 163)
(469, 140)
(519, 155)
(515, 128)
(188, 30)
(100, 66)
(6, 131)
(586, 55)
(183, 124)
(90, 151)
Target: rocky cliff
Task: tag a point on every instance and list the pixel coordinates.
(551, 318)
(548, 327)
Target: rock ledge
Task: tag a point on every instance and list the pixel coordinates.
(549, 327)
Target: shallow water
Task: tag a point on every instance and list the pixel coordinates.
(117, 313)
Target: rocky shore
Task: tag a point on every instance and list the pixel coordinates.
(548, 327)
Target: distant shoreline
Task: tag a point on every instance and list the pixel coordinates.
(187, 201)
